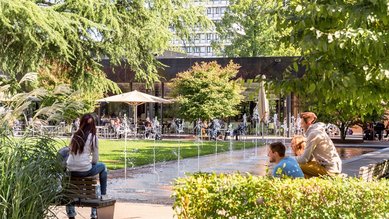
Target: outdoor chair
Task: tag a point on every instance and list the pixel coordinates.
(17, 130)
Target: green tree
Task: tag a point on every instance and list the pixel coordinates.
(208, 91)
(343, 46)
(65, 40)
(59, 103)
(251, 30)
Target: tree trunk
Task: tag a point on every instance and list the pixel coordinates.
(343, 131)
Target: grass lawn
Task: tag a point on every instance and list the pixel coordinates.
(140, 152)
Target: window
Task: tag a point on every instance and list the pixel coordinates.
(209, 36)
(209, 10)
(217, 10)
(197, 49)
(209, 49)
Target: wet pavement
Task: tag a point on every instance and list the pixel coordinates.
(153, 184)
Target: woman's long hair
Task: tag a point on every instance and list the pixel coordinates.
(87, 126)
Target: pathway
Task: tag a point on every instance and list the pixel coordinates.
(147, 190)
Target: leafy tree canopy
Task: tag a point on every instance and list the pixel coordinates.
(343, 45)
(64, 40)
(208, 91)
(251, 30)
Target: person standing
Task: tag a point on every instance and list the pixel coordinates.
(379, 128)
(320, 156)
(285, 166)
(83, 145)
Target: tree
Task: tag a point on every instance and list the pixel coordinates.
(208, 91)
(60, 103)
(343, 46)
(251, 30)
(65, 40)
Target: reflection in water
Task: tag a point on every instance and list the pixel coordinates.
(350, 152)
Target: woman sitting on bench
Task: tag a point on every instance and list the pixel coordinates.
(83, 144)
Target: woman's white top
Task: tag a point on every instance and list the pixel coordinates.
(82, 162)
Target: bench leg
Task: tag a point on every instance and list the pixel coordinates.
(106, 212)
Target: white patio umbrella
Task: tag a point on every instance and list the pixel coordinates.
(133, 98)
(263, 105)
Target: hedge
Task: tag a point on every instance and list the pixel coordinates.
(204, 195)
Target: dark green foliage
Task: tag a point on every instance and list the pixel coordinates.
(64, 41)
(246, 196)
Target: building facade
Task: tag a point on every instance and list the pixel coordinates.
(251, 68)
(201, 41)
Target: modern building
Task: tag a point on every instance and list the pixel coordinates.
(200, 45)
(251, 68)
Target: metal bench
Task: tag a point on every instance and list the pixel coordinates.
(81, 192)
(375, 171)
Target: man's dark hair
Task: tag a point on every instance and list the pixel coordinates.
(278, 147)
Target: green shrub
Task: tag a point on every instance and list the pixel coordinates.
(29, 177)
(246, 196)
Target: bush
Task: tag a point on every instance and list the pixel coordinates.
(244, 196)
(29, 177)
(208, 91)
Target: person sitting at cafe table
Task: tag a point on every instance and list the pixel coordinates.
(148, 127)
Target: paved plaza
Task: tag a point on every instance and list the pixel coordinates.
(146, 191)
